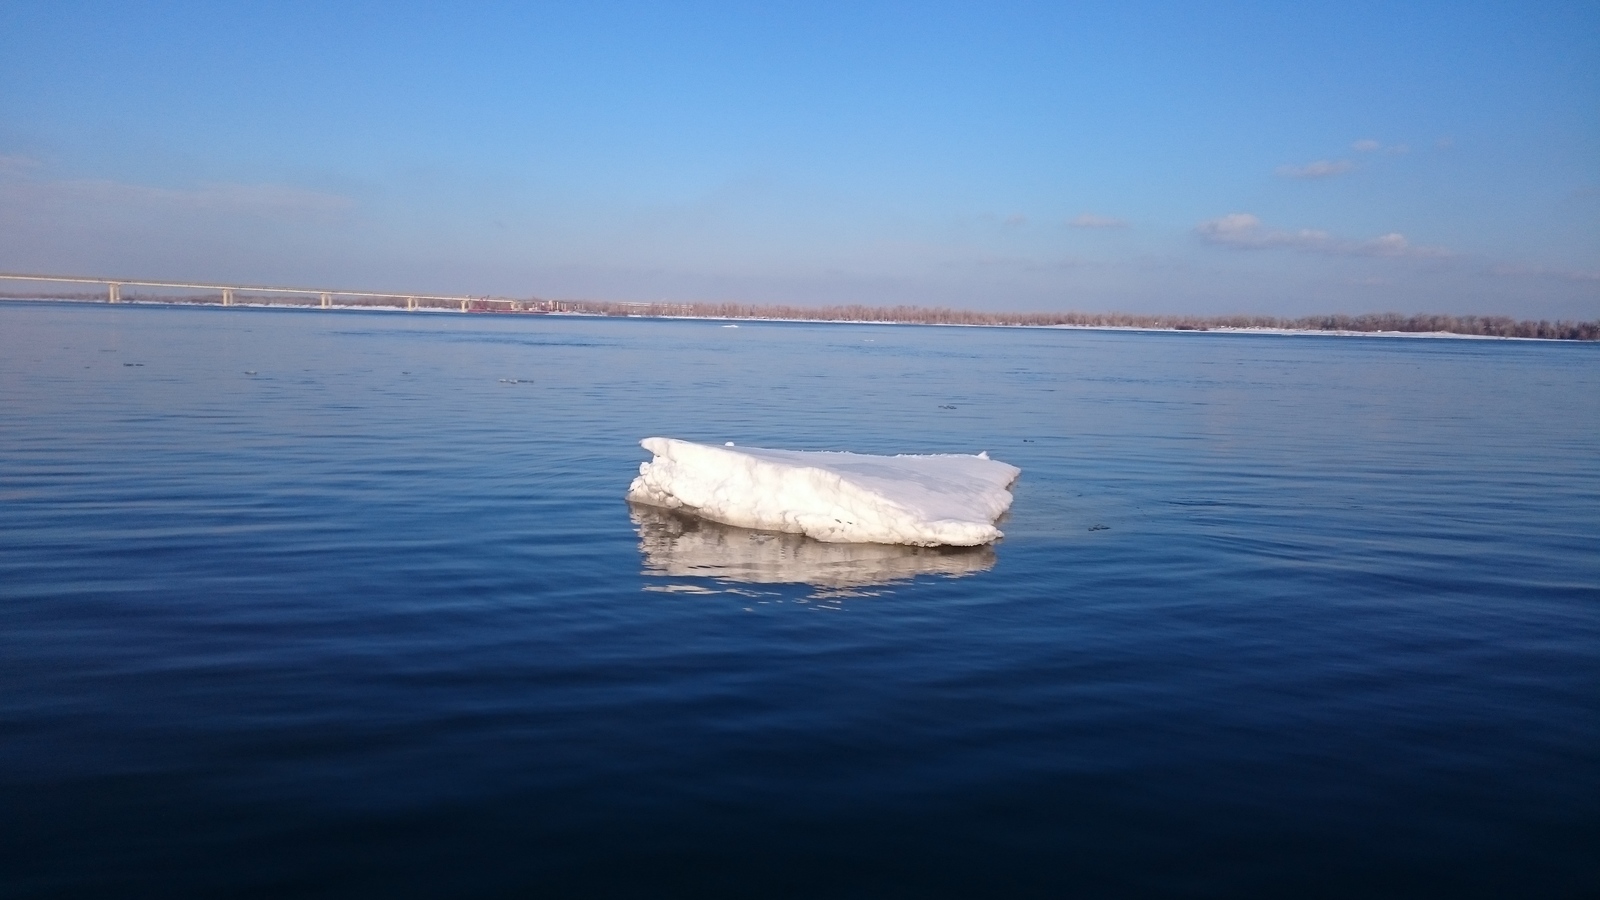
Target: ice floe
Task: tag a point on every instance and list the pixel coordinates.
(931, 500)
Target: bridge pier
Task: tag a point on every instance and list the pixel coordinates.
(411, 304)
(114, 293)
(463, 306)
(227, 296)
(327, 301)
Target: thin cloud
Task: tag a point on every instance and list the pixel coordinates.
(1243, 231)
(1322, 168)
(1369, 145)
(223, 197)
(15, 162)
(1014, 263)
(1090, 220)
(20, 182)
(1015, 220)
(1514, 271)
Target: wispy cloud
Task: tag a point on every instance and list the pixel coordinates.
(16, 162)
(219, 196)
(1322, 168)
(25, 179)
(1520, 271)
(1090, 220)
(1013, 262)
(276, 200)
(1015, 220)
(1243, 231)
(1371, 145)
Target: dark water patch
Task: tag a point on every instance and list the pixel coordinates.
(1324, 625)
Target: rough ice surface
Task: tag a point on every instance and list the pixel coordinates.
(928, 501)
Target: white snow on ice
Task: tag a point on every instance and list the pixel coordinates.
(840, 498)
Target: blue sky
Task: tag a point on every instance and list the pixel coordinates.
(1183, 157)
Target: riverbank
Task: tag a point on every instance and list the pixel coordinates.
(1366, 325)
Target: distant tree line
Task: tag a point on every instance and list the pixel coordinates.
(1487, 326)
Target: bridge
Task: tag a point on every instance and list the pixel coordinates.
(230, 292)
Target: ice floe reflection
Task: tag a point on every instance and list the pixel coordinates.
(676, 545)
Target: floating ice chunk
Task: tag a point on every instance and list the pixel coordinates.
(835, 497)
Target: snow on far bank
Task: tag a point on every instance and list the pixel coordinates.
(932, 500)
(1343, 332)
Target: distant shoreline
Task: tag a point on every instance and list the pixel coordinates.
(1367, 325)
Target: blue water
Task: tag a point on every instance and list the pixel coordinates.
(300, 603)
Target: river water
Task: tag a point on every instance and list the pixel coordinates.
(304, 603)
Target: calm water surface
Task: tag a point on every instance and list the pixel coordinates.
(315, 604)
